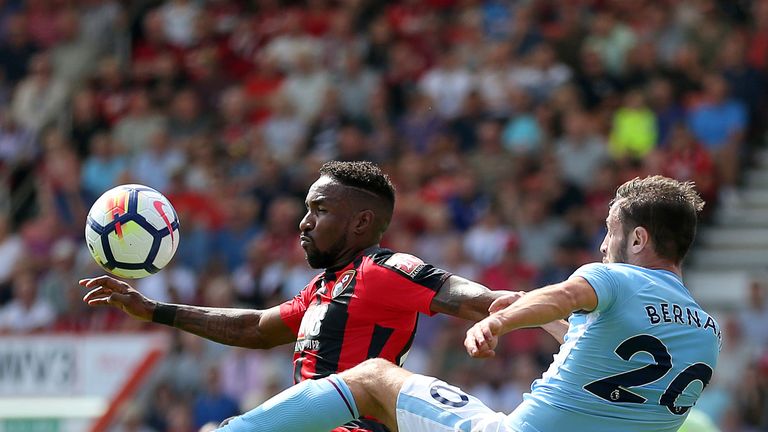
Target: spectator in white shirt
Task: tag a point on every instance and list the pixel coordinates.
(448, 84)
(27, 312)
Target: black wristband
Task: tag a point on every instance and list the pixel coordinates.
(164, 314)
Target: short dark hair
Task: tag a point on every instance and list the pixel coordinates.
(362, 175)
(667, 208)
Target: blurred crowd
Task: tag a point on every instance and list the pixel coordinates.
(505, 126)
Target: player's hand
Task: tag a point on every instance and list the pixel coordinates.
(483, 337)
(505, 300)
(108, 291)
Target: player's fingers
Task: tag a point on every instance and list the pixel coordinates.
(475, 341)
(105, 281)
(100, 301)
(498, 304)
(476, 349)
(470, 343)
(505, 300)
(108, 283)
(96, 293)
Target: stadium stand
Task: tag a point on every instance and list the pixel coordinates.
(505, 125)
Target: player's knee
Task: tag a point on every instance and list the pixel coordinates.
(363, 380)
(363, 377)
(374, 366)
(375, 384)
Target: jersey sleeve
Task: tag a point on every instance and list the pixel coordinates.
(604, 281)
(404, 282)
(292, 311)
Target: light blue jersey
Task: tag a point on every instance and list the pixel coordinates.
(634, 364)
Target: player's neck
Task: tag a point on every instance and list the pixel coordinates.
(348, 256)
(656, 263)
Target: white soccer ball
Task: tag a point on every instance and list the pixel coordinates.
(132, 231)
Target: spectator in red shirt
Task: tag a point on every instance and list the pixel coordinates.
(511, 273)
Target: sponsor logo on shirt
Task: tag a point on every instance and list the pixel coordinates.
(405, 263)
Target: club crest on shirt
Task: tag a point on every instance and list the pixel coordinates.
(344, 280)
(406, 263)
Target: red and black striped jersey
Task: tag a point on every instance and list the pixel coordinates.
(365, 310)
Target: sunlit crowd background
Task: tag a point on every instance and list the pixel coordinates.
(505, 126)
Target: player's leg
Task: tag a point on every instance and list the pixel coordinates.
(310, 406)
(428, 404)
(417, 403)
(375, 385)
(375, 388)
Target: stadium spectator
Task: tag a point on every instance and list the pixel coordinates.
(155, 166)
(179, 21)
(104, 167)
(580, 151)
(719, 122)
(633, 131)
(28, 312)
(755, 317)
(74, 55)
(18, 147)
(133, 131)
(16, 49)
(39, 98)
(211, 405)
(447, 84)
(666, 108)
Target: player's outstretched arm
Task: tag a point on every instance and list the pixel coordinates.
(557, 329)
(536, 308)
(247, 328)
(466, 299)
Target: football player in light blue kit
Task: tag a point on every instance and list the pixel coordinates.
(636, 355)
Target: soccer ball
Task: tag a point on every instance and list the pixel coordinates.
(132, 231)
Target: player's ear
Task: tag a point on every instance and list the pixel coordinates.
(639, 239)
(363, 221)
